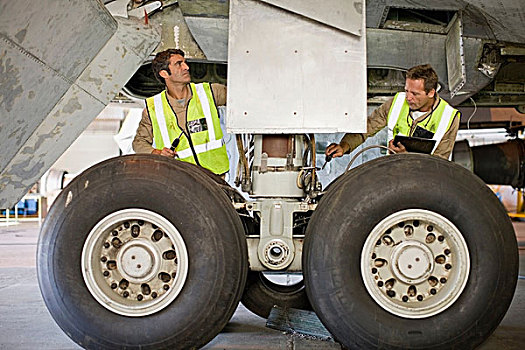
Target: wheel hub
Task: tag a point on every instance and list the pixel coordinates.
(138, 260)
(134, 262)
(415, 263)
(412, 262)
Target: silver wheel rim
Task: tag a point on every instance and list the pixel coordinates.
(134, 262)
(415, 263)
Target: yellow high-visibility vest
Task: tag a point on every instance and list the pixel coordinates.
(203, 144)
(400, 123)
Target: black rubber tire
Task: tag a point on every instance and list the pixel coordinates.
(261, 295)
(368, 194)
(202, 213)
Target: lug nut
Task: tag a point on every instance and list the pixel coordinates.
(440, 259)
(430, 238)
(111, 265)
(380, 262)
(433, 281)
(169, 255)
(164, 277)
(387, 240)
(135, 231)
(157, 235)
(146, 290)
(123, 284)
(115, 242)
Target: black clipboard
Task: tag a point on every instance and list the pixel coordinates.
(415, 144)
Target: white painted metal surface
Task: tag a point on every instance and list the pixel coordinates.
(345, 15)
(290, 74)
(415, 263)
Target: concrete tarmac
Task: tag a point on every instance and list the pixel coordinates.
(25, 322)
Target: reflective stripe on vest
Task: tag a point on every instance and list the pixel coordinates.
(200, 148)
(400, 109)
(161, 121)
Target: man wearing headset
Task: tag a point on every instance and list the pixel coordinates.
(417, 112)
(182, 121)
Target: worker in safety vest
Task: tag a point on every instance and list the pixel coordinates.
(182, 121)
(417, 112)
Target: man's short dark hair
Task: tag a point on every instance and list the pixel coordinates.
(162, 61)
(425, 72)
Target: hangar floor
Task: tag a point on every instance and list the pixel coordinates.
(26, 324)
